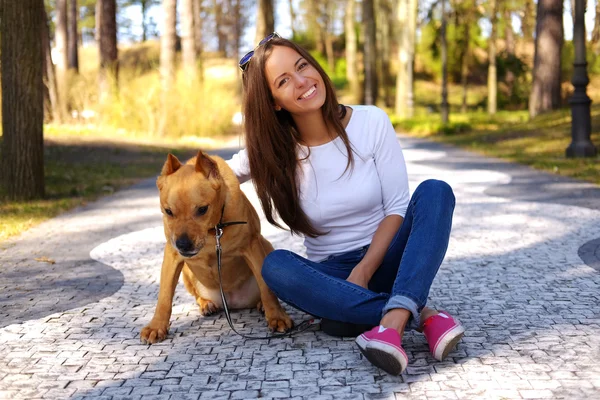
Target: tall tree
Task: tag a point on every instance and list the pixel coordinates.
(198, 25)
(220, 26)
(329, 18)
(22, 98)
(167, 56)
(444, 45)
(596, 32)
(265, 22)
(145, 5)
(314, 19)
(406, 26)
(384, 25)
(545, 90)
(188, 39)
(528, 19)
(73, 36)
(351, 51)
(51, 103)
(509, 37)
(492, 72)
(62, 59)
(370, 53)
(292, 18)
(106, 29)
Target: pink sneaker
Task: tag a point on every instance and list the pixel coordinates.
(383, 348)
(442, 333)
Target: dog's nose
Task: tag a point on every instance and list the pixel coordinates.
(184, 243)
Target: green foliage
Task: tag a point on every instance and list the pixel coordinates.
(515, 96)
(568, 58)
(429, 49)
(338, 77)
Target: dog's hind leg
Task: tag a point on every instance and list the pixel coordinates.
(277, 318)
(207, 306)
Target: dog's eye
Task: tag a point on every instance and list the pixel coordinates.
(168, 212)
(201, 211)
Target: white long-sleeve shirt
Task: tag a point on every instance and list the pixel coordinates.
(351, 205)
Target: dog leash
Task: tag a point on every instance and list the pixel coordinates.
(304, 325)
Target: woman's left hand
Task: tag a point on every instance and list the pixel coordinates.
(358, 277)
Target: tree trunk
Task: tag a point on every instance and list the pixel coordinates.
(492, 73)
(528, 19)
(198, 34)
(167, 56)
(314, 16)
(509, 33)
(464, 69)
(546, 90)
(265, 23)
(403, 45)
(329, 18)
(292, 18)
(385, 28)
(237, 38)
(144, 4)
(220, 27)
(188, 39)
(351, 52)
(509, 36)
(62, 59)
(108, 73)
(445, 108)
(407, 25)
(370, 56)
(596, 32)
(51, 103)
(22, 60)
(73, 38)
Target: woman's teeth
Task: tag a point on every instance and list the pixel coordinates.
(308, 93)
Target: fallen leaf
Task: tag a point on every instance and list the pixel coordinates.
(45, 259)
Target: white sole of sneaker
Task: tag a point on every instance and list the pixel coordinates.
(383, 355)
(448, 342)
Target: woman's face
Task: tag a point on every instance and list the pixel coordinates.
(295, 84)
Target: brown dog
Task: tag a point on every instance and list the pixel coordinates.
(194, 197)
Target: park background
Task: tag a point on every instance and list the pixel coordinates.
(127, 81)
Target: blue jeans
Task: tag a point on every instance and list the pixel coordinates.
(402, 280)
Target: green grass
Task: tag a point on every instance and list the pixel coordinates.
(78, 171)
(539, 143)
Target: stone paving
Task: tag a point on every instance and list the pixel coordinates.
(519, 274)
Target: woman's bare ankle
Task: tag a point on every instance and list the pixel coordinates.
(397, 319)
(426, 312)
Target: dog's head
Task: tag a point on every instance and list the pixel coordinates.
(191, 201)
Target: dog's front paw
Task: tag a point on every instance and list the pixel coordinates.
(154, 332)
(207, 307)
(278, 320)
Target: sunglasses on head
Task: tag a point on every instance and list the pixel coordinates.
(244, 61)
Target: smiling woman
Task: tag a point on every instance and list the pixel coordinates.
(337, 176)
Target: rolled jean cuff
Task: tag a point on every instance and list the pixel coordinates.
(408, 304)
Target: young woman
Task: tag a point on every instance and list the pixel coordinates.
(337, 176)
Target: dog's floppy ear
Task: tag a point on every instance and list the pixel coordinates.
(206, 166)
(171, 165)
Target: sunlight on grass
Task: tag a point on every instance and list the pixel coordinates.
(191, 108)
(540, 143)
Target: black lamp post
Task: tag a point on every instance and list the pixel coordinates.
(581, 126)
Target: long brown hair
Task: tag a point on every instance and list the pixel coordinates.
(272, 140)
